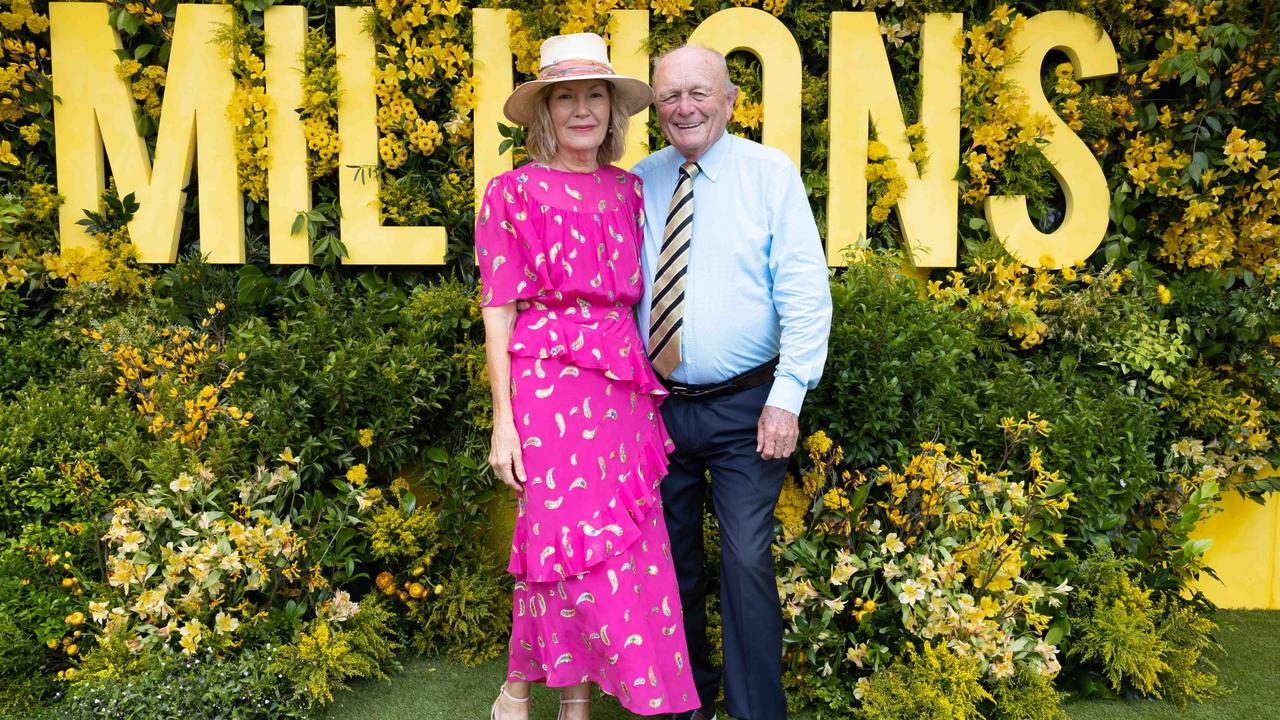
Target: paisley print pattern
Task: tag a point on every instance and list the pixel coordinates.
(595, 596)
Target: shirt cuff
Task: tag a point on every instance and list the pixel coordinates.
(787, 394)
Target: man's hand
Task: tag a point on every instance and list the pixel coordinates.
(776, 433)
(505, 457)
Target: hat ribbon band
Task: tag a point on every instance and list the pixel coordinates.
(562, 70)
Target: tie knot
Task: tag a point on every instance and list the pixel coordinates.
(690, 169)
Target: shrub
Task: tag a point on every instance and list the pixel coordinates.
(63, 454)
(341, 644)
(470, 617)
(1025, 696)
(202, 687)
(932, 683)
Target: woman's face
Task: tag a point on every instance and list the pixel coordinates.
(580, 115)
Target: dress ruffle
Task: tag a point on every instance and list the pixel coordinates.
(587, 337)
(629, 478)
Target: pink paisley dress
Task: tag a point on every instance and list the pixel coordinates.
(595, 589)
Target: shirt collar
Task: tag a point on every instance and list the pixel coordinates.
(710, 164)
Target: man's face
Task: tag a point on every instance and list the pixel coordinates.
(694, 99)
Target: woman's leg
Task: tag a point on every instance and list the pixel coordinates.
(513, 701)
(575, 702)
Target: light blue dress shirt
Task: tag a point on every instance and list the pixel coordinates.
(757, 286)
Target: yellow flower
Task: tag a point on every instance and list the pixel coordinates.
(892, 544)
(75, 618)
(357, 474)
(226, 624)
(366, 437)
(877, 150)
(6, 153)
(1165, 296)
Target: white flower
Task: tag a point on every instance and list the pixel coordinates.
(342, 607)
(892, 544)
(363, 502)
(99, 611)
(835, 605)
(890, 570)
(182, 484)
(912, 592)
(840, 574)
(860, 689)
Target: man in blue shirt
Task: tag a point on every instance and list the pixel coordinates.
(738, 310)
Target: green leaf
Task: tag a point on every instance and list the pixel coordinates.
(1196, 548)
(438, 455)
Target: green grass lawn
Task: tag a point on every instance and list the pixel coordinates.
(436, 689)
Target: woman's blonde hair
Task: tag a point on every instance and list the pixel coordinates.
(540, 142)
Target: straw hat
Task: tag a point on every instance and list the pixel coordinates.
(580, 56)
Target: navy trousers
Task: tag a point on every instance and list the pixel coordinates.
(719, 434)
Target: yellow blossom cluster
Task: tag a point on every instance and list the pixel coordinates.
(996, 115)
(525, 46)
(673, 9)
(114, 263)
(145, 83)
(945, 543)
(747, 113)
(1246, 87)
(775, 7)
(1005, 291)
(145, 10)
(168, 381)
(249, 108)
(421, 53)
(1188, 20)
(885, 184)
(1222, 222)
(1154, 164)
(586, 15)
(319, 109)
(22, 13)
(21, 60)
(185, 568)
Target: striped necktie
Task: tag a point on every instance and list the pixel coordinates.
(667, 309)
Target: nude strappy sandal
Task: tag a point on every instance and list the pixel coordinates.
(493, 712)
(581, 701)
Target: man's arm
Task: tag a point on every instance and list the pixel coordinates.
(802, 299)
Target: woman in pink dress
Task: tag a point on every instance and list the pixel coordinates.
(577, 432)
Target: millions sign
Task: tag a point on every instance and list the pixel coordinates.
(96, 110)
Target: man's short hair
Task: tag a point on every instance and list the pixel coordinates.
(540, 142)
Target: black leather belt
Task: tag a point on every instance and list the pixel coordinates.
(755, 377)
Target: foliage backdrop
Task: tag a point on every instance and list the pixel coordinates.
(280, 470)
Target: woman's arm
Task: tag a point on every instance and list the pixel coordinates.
(504, 449)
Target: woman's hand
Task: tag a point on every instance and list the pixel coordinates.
(505, 456)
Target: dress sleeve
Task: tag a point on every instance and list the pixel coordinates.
(506, 245)
(637, 200)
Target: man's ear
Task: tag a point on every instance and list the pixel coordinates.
(732, 95)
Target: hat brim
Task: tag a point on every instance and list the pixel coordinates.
(630, 94)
